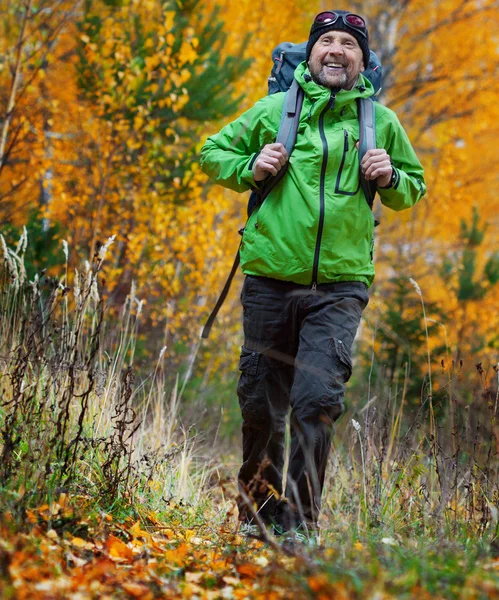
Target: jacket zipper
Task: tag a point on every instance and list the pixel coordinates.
(342, 164)
(340, 171)
(322, 190)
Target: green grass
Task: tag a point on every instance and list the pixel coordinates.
(410, 507)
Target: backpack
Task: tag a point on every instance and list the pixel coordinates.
(286, 57)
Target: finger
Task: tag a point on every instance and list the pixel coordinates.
(273, 160)
(275, 155)
(269, 167)
(277, 147)
(380, 173)
(371, 164)
(370, 159)
(376, 152)
(375, 172)
(374, 162)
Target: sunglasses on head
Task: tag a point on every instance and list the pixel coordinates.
(350, 20)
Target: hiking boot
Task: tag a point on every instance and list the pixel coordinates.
(299, 536)
(292, 540)
(249, 530)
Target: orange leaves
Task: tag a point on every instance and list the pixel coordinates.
(177, 555)
(248, 570)
(435, 70)
(136, 560)
(81, 544)
(323, 589)
(117, 550)
(139, 561)
(138, 590)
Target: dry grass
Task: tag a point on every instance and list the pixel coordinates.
(76, 420)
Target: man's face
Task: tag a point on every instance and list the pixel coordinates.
(336, 60)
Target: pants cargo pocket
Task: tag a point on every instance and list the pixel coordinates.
(248, 387)
(344, 362)
(248, 361)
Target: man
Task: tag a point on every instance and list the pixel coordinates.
(307, 253)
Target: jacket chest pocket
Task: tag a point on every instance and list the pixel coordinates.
(348, 180)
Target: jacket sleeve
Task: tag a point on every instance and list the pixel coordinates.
(228, 156)
(409, 185)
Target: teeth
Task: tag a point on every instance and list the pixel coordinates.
(334, 65)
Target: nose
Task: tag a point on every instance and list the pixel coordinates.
(335, 48)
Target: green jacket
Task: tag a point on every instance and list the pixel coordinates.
(315, 226)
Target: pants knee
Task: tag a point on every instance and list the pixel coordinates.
(324, 410)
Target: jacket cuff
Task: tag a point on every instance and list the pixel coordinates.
(247, 174)
(394, 181)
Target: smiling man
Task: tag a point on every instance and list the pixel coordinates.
(307, 253)
(336, 60)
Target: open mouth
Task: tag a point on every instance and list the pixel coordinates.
(334, 67)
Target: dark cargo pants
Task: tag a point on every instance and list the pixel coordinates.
(296, 353)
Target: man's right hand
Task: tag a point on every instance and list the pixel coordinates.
(270, 160)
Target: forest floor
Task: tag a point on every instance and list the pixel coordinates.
(71, 550)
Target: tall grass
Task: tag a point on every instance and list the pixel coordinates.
(419, 468)
(73, 415)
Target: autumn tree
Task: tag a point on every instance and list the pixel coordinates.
(112, 113)
(30, 33)
(151, 73)
(440, 76)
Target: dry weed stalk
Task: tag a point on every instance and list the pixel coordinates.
(52, 378)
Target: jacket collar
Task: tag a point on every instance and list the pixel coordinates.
(321, 95)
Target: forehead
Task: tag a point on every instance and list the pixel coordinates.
(341, 36)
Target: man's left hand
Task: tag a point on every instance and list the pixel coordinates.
(376, 165)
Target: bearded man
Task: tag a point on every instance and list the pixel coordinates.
(307, 253)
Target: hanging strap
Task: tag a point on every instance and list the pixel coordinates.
(221, 299)
(288, 128)
(367, 141)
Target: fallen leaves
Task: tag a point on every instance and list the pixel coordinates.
(133, 559)
(248, 570)
(324, 589)
(117, 550)
(148, 560)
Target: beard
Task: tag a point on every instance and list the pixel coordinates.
(337, 81)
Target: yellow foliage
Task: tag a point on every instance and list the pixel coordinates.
(90, 162)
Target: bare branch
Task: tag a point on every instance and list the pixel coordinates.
(17, 93)
(15, 83)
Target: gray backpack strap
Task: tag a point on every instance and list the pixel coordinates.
(288, 128)
(367, 141)
(289, 117)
